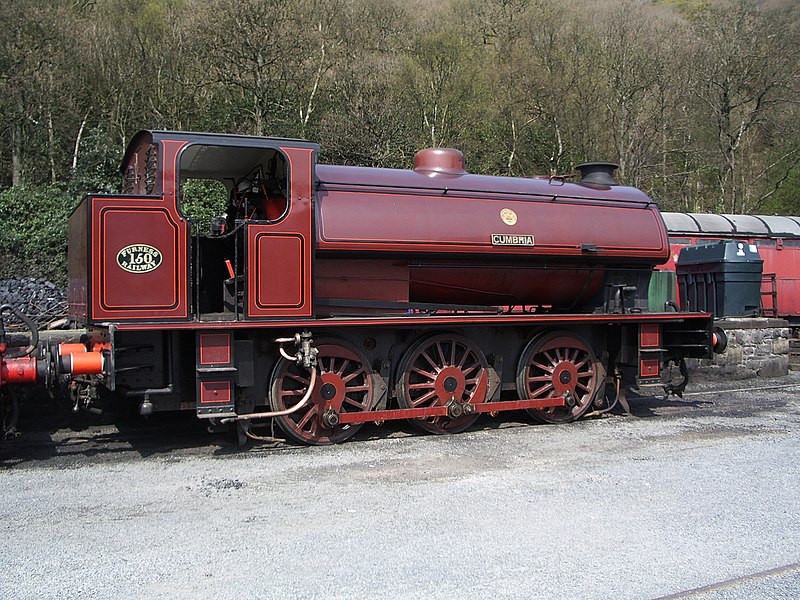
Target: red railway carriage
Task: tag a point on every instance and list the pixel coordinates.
(776, 237)
(328, 296)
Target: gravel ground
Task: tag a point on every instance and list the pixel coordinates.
(694, 498)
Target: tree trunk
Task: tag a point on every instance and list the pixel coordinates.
(16, 155)
(51, 143)
(78, 142)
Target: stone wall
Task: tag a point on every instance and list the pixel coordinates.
(757, 347)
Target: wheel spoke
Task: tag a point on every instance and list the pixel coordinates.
(440, 351)
(353, 375)
(541, 390)
(356, 388)
(432, 362)
(325, 364)
(424, 385)
(306, 417)
(424, 398)
(361, 406)
(470, 370)
(426, 374)
(341, 370)
(299, 379)
(582, 363)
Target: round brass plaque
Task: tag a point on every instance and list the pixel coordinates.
(509, 216)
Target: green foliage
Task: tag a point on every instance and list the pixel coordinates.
(33, 237)
(202, 200)
(786, 199)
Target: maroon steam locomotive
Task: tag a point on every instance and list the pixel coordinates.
(328, 296)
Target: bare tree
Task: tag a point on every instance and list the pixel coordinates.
(747, 71)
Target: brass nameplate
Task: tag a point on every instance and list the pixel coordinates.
(505, 239)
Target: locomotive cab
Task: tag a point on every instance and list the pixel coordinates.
(207, 227)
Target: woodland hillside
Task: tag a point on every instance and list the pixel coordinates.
(697, 100)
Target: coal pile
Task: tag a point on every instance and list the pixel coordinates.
(42, 301)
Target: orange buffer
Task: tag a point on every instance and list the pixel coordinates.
(76, 359)
(82, 363)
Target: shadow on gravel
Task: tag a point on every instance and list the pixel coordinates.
(645, 405)
(62, 436)
(51, 432)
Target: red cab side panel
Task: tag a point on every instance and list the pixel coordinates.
(138, 260)
(279, 281)
(138, 251)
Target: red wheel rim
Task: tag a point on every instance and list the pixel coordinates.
(554, 365)
(344, 384)
(442, 369)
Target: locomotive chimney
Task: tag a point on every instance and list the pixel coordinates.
(447, 161)
(598, 173)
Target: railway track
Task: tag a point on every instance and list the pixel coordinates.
(60, 437)
(761, 388)
(744, 586)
